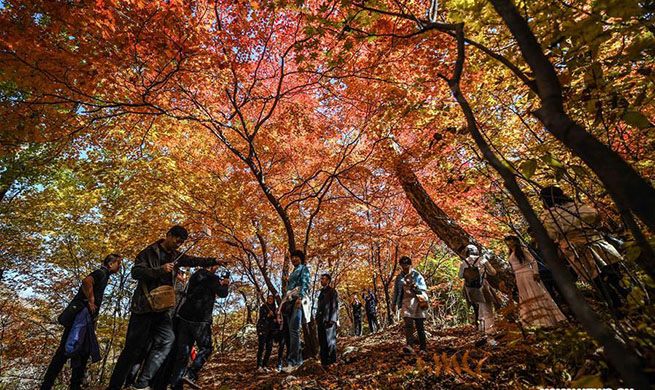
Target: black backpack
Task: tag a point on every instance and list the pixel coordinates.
(472, 277)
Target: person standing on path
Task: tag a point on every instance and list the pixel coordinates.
(298, 287)
(370, 303)
(90, 295)
(266, 330)
(536, 307)
(194, 324)
(410, 295)
(473, 270)
(327, 316)
(357, 316)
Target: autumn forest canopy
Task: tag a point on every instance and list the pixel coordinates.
(357, 132)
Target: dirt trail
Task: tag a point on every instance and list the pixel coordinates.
(458, 358)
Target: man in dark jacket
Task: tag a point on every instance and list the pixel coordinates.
(154, 267)
(371, 315)
(90, 294)
(357, 316)
(194, 324)
(327, 315)
(266, 330)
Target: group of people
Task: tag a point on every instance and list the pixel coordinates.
(282, 324)
(576, 230)
(169, 317)
(165, 321)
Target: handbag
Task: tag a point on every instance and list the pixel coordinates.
(161, 298)
(423, 302)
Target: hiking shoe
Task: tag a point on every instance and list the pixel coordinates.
(289, 369)
(408, 350)
(261, 370)
(188, 381)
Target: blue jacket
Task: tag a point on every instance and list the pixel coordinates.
(82, 340)
(418, 280)
(300, 278)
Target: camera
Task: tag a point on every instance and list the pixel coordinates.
(224, 274)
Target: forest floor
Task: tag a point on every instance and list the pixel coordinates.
(457, 358)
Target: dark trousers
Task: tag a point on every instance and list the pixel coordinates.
(283, 342)
(327, 341)
(372, 322)
(357, 324)
(136, 368)
(264, 347)
(156, 327)
(57, 363)
(420, 330)
(189, 333)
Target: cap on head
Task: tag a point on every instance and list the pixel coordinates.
(405, 260)
(472, 250)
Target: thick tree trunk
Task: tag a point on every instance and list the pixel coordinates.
(310, 339)
(447, 229)
(387, 300)
(623, 183)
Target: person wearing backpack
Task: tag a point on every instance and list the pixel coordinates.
(89, 295)
(410, 295)
(473, 270)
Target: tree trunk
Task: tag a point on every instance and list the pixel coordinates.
(622, 182)
(447, 229)
(310, 338)
(387, 300)
(622, 356)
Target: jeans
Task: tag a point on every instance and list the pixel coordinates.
(189, 333)
(156, 327)
(264, 343)
(420, 329)
(327, 341)
(295, 322)
(57, 363)
(372, 322)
